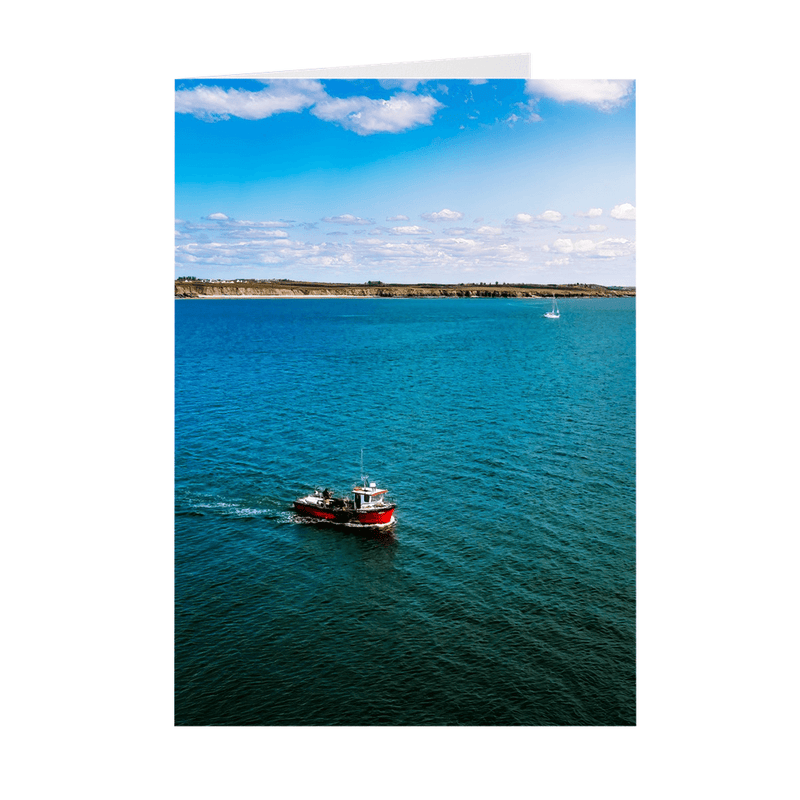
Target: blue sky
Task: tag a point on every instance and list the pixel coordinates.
(447, 181)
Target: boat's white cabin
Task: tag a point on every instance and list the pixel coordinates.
(368, 496)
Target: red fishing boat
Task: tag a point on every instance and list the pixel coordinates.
(368, 506)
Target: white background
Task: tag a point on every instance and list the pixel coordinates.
(87, 323)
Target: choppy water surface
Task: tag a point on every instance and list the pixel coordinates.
(505, 595)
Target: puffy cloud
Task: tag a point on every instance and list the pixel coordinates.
(571, 246)
(592, 212)
(613, 248)
(365, 116)
(413, 229)
(598, 228)
(348, 219)
(529, 219)
(550, 216)
(444, 214)
(398, 218)
(623, 211)
(604, 95)
(212, 103)
(215, 253)
(406, 84)
(488, 230)
(218, 216)
(607, 248)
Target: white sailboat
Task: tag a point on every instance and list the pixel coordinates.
(554, 313)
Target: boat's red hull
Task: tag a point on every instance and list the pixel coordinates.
(374, 517)
(346, 517)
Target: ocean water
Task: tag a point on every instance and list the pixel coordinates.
(505, 593)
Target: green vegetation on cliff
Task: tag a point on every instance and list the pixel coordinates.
(244, 287)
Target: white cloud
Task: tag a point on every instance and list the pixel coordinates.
(398, 218)
(240, 245)
(365, 116)
(605, 95)
(253, 234)
(613, 248)
(406, 84)
(348, 219)
(563, 245)
(402, 251)
(623, 211)
(592, 212)
(529, 219)
(212, 103)
(263, 224)
(572, 246)
(219, 221)
(551, 216)
(414, 229)
(527, 113)
(444, 214)
(607, 248)
(598, 228)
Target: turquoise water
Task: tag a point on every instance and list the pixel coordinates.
(504, 595)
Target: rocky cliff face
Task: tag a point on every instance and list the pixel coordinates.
(191, 289)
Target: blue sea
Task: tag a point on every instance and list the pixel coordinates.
(504, 595)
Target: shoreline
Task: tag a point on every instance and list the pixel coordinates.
(371, 297)
(199, 289)
(383, 297)
(285, 297)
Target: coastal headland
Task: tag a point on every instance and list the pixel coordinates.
(188, 288)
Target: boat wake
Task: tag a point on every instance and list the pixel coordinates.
(301, 519)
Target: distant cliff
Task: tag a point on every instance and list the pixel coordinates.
(243, 288)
